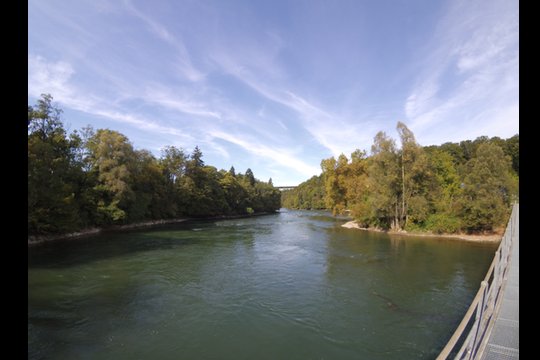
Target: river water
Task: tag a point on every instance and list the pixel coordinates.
(294, 285)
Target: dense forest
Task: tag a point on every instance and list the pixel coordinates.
(455, 187)
(309, 195)
(95, 178)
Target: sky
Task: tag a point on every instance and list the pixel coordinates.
(278, 85)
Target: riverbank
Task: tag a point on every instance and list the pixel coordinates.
(34, 240)
(476, 238)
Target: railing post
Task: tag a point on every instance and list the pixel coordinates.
(501, 267)
(505, 247)
(486, 300)
(513, 221)
(496, 278)
(478, 321)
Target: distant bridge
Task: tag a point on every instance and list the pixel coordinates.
(494, 334)
(285, 187)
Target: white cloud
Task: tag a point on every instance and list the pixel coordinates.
(326, 128)
(470, 71)
(421, 98)
(55, 78)
(140, 122)
(183, 64)
(48, 77)
(279, 156)
(178, 102)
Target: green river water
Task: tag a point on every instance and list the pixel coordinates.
(294, 285)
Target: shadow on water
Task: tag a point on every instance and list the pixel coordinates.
(70, 252)
(321, 216)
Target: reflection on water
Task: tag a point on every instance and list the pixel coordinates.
(290, 285)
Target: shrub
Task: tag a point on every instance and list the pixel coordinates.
(442, 223)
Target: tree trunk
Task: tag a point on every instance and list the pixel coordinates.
(403, 213)
(395, 225)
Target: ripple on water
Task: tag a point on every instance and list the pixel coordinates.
(291, 285)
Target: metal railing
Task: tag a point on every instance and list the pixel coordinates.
(486, 303)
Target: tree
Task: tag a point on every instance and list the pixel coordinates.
(194, 166)
(334, 195)
(454, 150)
(96, 178)
(269, 198)
(414, 177)
(512, 149)
(443, 193)
(152, 196)
(235, 195)
(384, 182)
(444, 189)
(487, 189)
(44, 119)
(447, 181)
(308, 195)
(250, 178)
(112, 158)
(173, 162)
(345, 182)
(53, 171)
(196, 158)
(356, 184)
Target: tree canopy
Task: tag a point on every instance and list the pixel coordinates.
(97, 178)
(454, 187)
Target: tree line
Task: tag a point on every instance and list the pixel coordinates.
(450, 188)
(95, 178)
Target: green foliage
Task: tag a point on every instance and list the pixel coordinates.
(511, 148)
(113, 161)
(384, 182)
(454, 187)
(443, 224)
(249, 176)
(310, 195)
(344, 181)
(53, 174)
(173, 163)
(416, 179)
(487, 189)
(98, 179)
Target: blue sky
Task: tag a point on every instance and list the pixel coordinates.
(277, 86)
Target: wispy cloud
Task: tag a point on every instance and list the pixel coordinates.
(279, 156)
(139, 122)
(183, 60)
(160, 96)
(243, 83)
(44, 75)
(154, 26)
(422, 97)
(324, 126)
(54, 78)
(464, 75)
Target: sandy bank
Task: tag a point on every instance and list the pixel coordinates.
(467, 237)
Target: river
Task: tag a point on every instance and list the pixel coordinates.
(294, 285)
